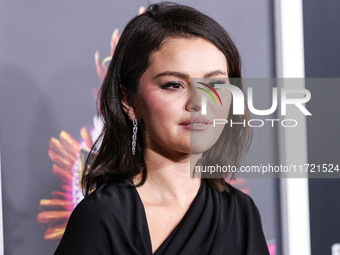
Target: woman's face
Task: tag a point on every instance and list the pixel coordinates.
(169, 102)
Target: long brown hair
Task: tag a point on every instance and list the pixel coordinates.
(111, 156)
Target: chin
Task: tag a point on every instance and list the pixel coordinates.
(199, 147)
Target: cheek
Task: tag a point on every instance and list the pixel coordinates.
(158, 108)
(227, 103)
(218, 110)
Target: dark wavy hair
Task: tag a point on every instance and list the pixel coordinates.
(111, 156)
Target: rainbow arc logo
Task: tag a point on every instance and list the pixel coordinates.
(209, 93)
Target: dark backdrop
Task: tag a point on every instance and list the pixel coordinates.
(322, 59)
(47, 77)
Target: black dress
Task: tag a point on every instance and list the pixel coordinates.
(112, 220)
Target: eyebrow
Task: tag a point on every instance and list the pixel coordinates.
(186, 76)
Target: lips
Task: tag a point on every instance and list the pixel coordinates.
(200, 123)
(196, 121)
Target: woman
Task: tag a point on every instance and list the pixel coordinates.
(144, 199)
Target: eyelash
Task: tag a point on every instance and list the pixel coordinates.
(213, 83)
(170, 83)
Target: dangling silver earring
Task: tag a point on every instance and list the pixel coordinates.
(134, 136)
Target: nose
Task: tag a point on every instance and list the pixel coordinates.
(194, 99)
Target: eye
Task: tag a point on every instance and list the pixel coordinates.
(172, 85)
(214, 83)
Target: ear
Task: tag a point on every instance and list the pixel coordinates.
(128, 104)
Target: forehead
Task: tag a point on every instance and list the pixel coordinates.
(192, 55)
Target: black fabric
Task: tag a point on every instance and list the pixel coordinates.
(112, 220)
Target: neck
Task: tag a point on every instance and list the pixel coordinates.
(168, 178)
